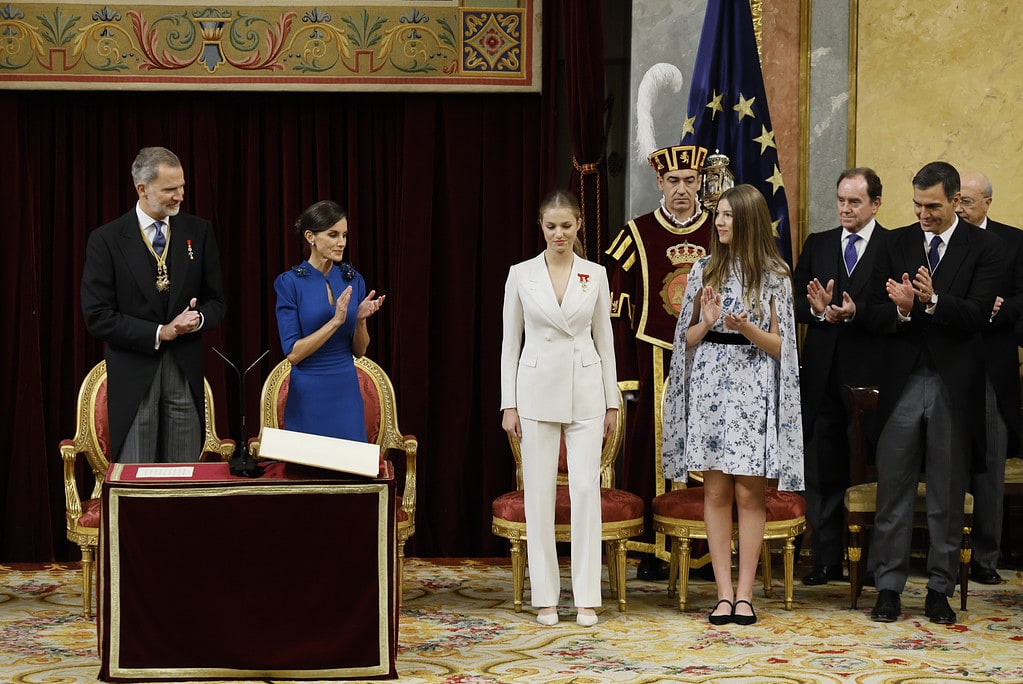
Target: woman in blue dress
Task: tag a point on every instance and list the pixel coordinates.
(322, 307)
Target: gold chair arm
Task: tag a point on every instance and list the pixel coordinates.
(408, 496)
(69, 454)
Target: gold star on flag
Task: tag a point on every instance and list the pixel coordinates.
(766, 139)
(774, 228)
(688, 126)
(715, 105)
(775, 180)
(745, 107)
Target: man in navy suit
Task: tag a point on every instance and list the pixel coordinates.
(150, 285)
(934, 291)
(1001, 360)
(834, 271)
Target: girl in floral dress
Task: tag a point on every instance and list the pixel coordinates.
(732, 404)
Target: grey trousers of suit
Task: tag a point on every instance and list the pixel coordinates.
(988, 488)
(166, 428)
(920, 428)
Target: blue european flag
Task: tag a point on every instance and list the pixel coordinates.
(728, 108)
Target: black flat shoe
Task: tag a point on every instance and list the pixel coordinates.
(822, 574)
(724, 618)
(740, 619)
(888, 606)
(937, 609)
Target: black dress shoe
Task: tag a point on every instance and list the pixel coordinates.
(937, 609)
(985, 575)
(652, 569)
(822, 574)
(888, 606)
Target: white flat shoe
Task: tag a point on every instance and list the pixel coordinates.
(586, 620)
(548, 620)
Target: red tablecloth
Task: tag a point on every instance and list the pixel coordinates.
(208, 576)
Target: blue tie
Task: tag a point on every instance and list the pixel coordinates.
(932, 256)
(850, 253)
(159, 241)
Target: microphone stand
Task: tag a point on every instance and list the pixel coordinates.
(241, 464)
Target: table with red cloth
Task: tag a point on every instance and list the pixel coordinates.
(208, 576)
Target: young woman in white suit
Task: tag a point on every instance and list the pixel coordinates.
(558, 377)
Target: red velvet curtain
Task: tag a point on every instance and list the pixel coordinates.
(442, 192)
(584, 77)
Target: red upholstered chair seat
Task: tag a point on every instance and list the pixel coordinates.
(92, 510)
(679, 514)
(687, 504)
(616, 505)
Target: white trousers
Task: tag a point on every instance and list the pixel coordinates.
(541, 445)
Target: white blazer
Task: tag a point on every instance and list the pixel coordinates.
(565, 369)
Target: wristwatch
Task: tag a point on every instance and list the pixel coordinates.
(934, 298)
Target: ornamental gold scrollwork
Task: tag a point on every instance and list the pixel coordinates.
(194, 43)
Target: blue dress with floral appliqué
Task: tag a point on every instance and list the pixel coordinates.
(323, 392)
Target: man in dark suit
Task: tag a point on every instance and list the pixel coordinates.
(934, 291)
(151, 283)
(834, 270)
(1001, 360)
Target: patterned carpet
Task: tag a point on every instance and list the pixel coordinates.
(458, 627)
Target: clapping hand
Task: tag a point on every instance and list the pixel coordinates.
(819, 296)
(369, 306)
(710, 305)
(902, 293)
(735, 321)
(185, 322)
(341, 306)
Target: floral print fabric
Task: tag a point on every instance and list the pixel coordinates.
(735, 408)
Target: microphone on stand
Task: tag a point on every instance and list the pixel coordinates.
(241, 464)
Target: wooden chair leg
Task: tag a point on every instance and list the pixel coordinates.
(518, 563)
(619, 563)
(855, 553)
(676, 545)
(789, 555)
(683, 571)
(965, 556)
(87, 581)
(765, 569)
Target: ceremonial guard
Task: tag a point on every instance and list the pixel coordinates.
(649, 262)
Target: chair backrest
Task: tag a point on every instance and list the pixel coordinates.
(863, 401)
(608, 453)
(92, 430)
(377, 398)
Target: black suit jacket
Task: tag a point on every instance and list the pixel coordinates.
(1001, 357)
(123, 308)
(850, 348)
(948, 340)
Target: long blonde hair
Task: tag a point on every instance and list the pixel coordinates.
(563, 199)
(752, 251)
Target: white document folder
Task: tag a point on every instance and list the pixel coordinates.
(343, 455)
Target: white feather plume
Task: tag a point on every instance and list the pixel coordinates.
(657, 78)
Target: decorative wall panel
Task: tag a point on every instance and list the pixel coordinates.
(426, 46)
